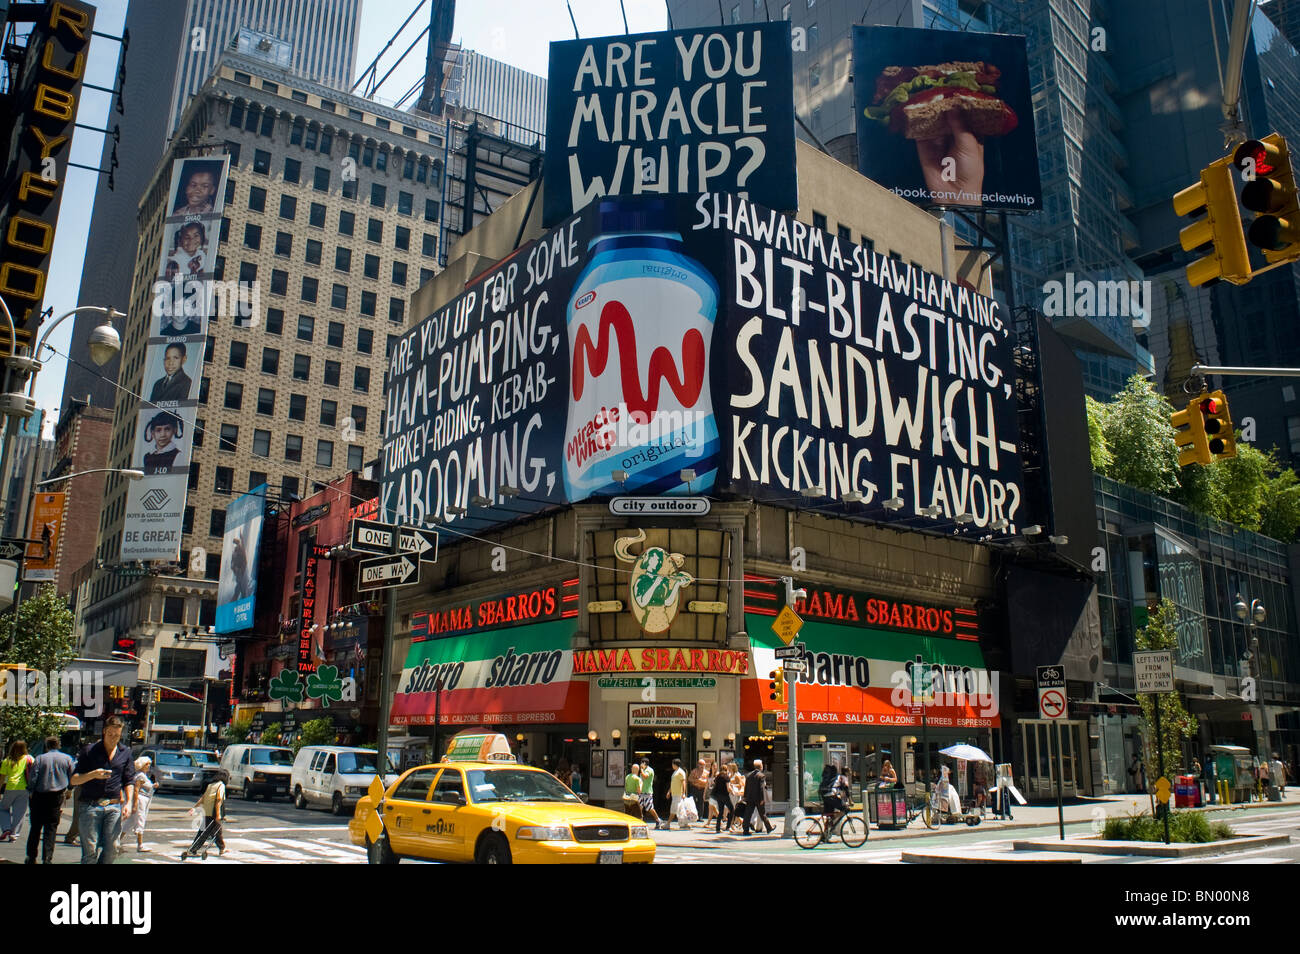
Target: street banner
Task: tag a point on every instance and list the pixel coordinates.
(181, 302)
(944, 117)
(678, 112)
(705, 345)
(46, 525)
(237, 586)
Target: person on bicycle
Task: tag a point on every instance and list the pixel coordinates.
(830, 793)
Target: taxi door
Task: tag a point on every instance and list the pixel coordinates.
(405, 810)
(447, 818)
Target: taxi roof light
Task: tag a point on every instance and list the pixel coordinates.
(479, 747)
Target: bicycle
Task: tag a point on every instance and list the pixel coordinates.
(926, 808)
(809, 831)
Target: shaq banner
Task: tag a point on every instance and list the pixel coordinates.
(945, 118)
(703, 345)
(681, 112)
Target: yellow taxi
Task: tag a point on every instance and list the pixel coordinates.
(480, 805)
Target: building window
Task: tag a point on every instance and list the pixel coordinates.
(370, 266)
(274, 316)
(238, 354)
(381, 157)
(203, 393)
(356, 457)
(349, 189)
(1293, 434)
(288, 207)
(234, 395)
(396, 309)
(334, 334)
(402, 240)
(229, 437)
(339, 296)
(332, 369)
(408, 164)
(399, 273)
(368, 156)
(365, 341)
(431, 210)
(283, 244)
(316, 216)
(293, 448)
(266, 397)
(329, 413)
(200, 429)
(292, 170)
(270, 361)
(359, 418)
(187, 522)
(256, 199)
(819, 221)
(815, 75)
(321, 179)
(309, 286)
(845, 234)
(361, 379)
(208, 349)
(247, 272)
(295, 134)
(252, 236)
(309, 138)
(306, 327)
(225, 230)
(174, 610)
(368, 303)
(288, 486)
(297, 95)
(237, 109)
(347, 222)
(405, 203)
(256, 478)
(225, 480)
(313, 252)
(261, 161)
(261, 447)
(378, 194)
(219, 272)
(301, 367)
(375, 230)
(324, 453)
(297, 407)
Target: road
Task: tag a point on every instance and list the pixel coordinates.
(278, 833)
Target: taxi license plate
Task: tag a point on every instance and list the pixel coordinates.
(610, 857)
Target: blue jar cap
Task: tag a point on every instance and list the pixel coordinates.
(635, 215)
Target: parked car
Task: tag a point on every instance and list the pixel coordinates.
(208, 762)
(174, 770)
(335, 775)
(258, 770)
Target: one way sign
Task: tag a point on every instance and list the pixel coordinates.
(370, 536)
(9, 550)
(383, 572)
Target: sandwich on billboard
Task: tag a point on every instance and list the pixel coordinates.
(173, 362)
(704, 345)
(237, 584)
(678, 112)
(945, 118)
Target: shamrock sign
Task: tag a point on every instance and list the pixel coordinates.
(324, 684)
(286, 687)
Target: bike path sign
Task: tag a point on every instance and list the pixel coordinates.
(1051, 693)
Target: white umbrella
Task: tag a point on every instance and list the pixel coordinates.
(968, 753)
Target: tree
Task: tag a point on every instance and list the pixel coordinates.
(238, 731)
(1140, 438)
(316, 732)
(1243, 481)
(42, 640)
(272, 734)
(1280, 518)
(1100, 452)
(1176, 724)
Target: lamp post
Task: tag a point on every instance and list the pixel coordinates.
(148, 711)
(1252, 616)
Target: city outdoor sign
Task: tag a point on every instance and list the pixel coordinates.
(659, 506)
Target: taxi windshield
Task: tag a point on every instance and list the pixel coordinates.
(516, 785)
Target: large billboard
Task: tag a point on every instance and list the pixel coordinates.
(237, 584)
(680, 112)
(704, 345)
(173, 361)
(945, 118)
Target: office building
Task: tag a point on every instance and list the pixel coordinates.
(503, 92)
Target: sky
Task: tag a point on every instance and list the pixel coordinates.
(516, 31)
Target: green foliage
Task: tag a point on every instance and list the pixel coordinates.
(1132, 440)
(315, 732)
(272, 734)
(237, 731)
(42, 640)
(1187, 827)
(1176, 723)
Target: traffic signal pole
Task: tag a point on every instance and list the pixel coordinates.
(1203, 369)
(792, 724)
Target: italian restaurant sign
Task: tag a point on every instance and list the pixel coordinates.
(853, 608)
(514, 608)
(657, 716)
(660, 659)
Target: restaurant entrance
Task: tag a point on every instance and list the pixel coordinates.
(661, 747)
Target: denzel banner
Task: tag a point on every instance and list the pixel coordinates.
(703, 345)
(945, 118)
(237, 589)
(681, 112)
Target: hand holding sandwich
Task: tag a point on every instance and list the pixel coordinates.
(965, 174)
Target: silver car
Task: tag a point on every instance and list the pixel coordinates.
(208, 763)
(173, 770)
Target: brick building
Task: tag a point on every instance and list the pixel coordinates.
(80, 443)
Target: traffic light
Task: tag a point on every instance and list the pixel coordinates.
(1189, 435)
(1216, 196)
(776, 688)
(1270, 190)
(1203, 431)
(126, 645)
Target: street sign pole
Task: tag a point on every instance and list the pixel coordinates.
(385, 680)
(1160, 763)
(1060, 802)
(792, 724)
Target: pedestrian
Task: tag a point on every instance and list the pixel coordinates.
(13, 783)
(106, 775)
(887, 774)
(48, 778)
(756, 798)
(677, 794)
(1276, 769)
(575, 779)
(144, 788)
(1004, 783)
(213, 803)
(736, 789)
(632, 790)
(720, 800)
(1211, 780)
(1138, 773)
(648, 794)
(701, 781)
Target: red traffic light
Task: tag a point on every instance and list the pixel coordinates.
(1210, 406)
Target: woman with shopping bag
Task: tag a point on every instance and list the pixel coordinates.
(213, 803)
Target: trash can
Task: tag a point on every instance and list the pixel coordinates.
(887, 806)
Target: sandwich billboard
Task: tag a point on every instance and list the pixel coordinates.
(945, 118)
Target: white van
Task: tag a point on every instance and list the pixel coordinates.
(334, 775)
(258, 770)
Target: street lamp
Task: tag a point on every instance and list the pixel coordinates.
(148, 712)
(1252, 616)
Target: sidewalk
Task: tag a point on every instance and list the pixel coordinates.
(1033, 815)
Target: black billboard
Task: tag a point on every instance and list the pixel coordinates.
(679, 112)
(945, 118)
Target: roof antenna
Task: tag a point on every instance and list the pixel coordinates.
(623, 10)
(870, 4)
(721, 19)
(767, 11)
(670, 14)
(576, 34)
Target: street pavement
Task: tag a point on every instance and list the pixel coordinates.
(278, 833)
